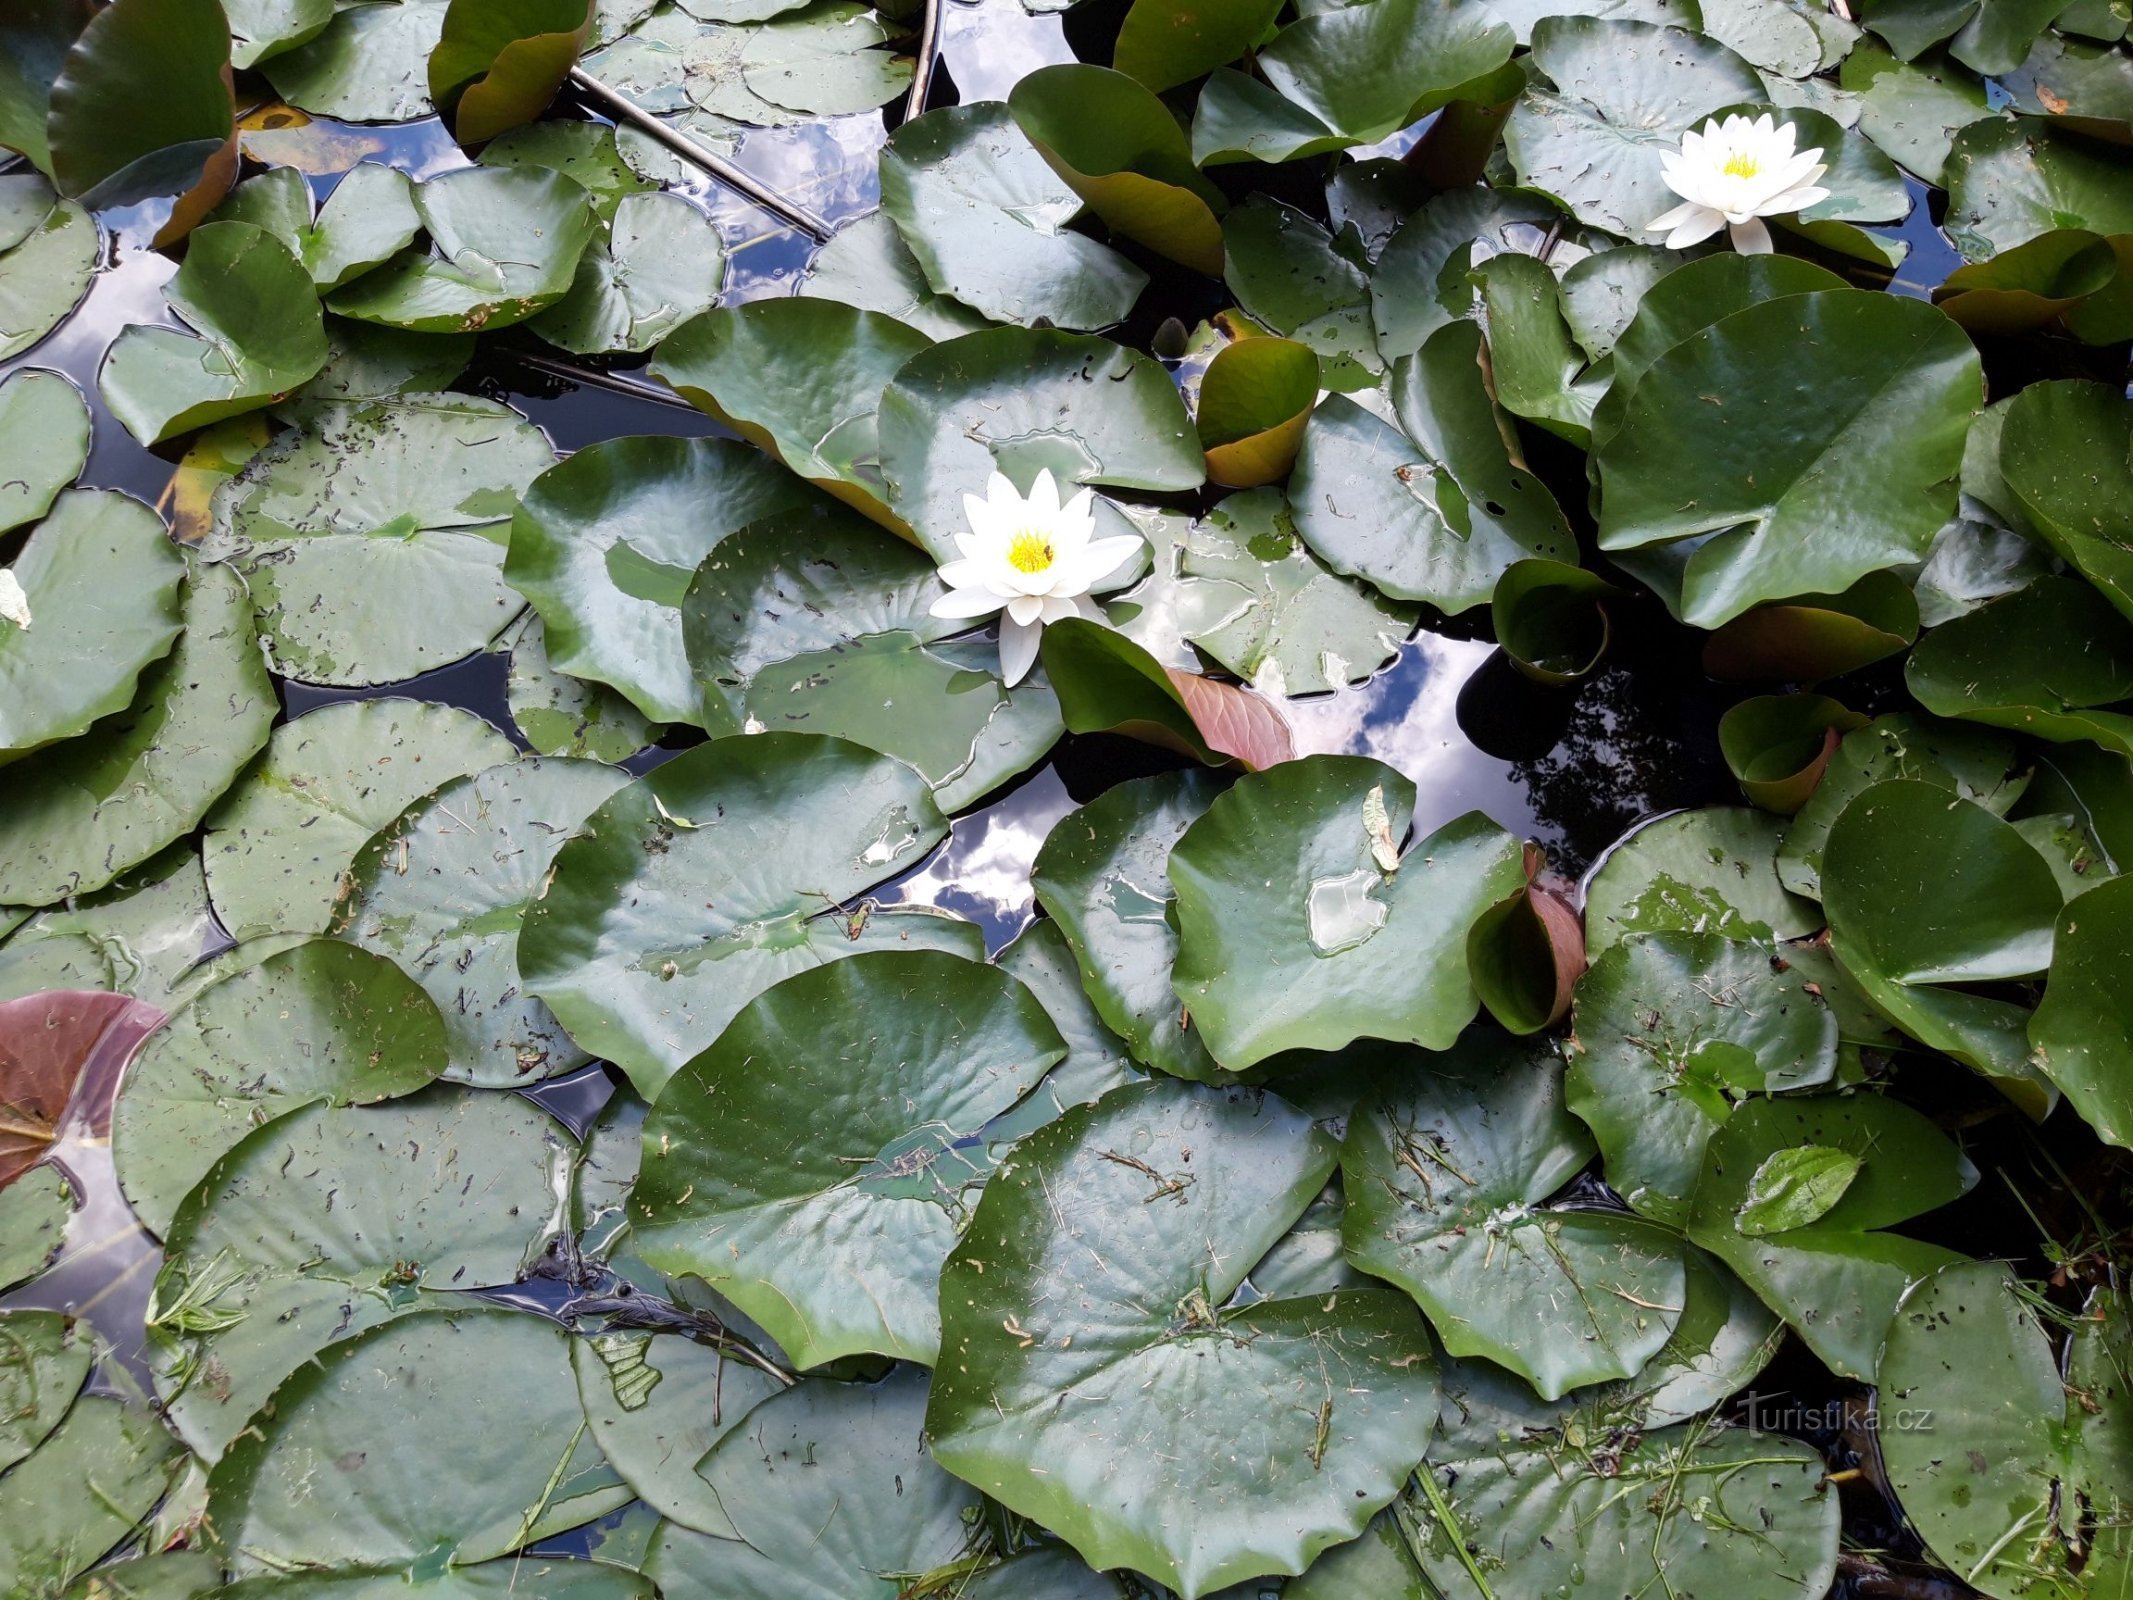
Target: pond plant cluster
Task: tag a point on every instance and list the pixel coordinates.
(1302, 1202)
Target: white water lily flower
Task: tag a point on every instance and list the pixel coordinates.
(1034, 559)
(14, 604)
(1735, 174)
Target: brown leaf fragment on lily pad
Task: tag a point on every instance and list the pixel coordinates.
(60, 1049)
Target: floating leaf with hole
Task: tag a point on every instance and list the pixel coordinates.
(2080, 1033)
(1777, 746)
(369, 64)
(1368, 70)
(815, 621)
(100, 580)
(1436, 509)
(777, 832)
(1551, 619)
(2011, 180)
(397, 503)
(1022, 400)
(1165, 43)
(43, 277)
(802, 379)
(2048, 660)
(321, 1022)
(1672, 1029)
(84, 811)
(987, 217)
(34, 1212)
(1122, 151)
(1256, 398)
(87, 1487)
(1289, 274)
(1097, 1274)
(1302, 926)
(655, 265)
(504, 246)
(257, 335)
(495, 68)
(442, 889)
(48, 1044)
(564, 716)
(1107, 683)
(368, 219)
(1447, 1171)
(1836, 1280)
(1526, 952)
(279, 840)
(44, 439)
(605, 544)
(327, 1222)
(1814, 636)
(833, 1250)
(1705, 871)
(2064, 454)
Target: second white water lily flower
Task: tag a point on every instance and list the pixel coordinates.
(1734, 174)
(1031, 558)
(14, 604)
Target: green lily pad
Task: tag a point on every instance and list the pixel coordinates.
(1779, 497)
(801, 379)
(657, 263)
(493, 70)
(1368, 71)
(263, 29)
(372, 537)
(1094, 1278)
(832, 1493)
(369, 64)
(1551, 619)
(1242, 118)
(2063, 451)
(1538, 368)
(1705, 871)
(2032, 285)
(1672, 1029)
(84, 811)
(26, 203)
(1777, 746)
(987, 217)
(279, 840)
(1103, 876)
(698, 886)
(36, 37)
(141, 936)
(1107, 683)
(1301, 926)
(1256, 398)
(504, 245)
(605, 543)
(2012, 180)
(90, 1484)
(368, 219)
(2080, 1034)
(44, 439)
(1165, 43)
(2047, 660)
(44, 1357)
(1446, 1172)
(1421, 279)
(443, 889)
(516, 1577)
(1912, 109)
(816, 60)
(44, 277)
(585, 151)
(1097, 1060)
(1019, 401)
(142, 107)
(565, 716)
(1836, 1280)
(1795, 1187)
(100, 579)
(809, 623)
(866, 265)
(834, 1245)
(34, 1210)
(327, 1222)
(322, 1022)
(2085, 87)
(1289, 274)
(1436, 509)
(1814, 636)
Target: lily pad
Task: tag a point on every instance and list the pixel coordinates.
(1777, 746)
(564, 716)
(443, 888)
(1672, 1029)
(46, 1357)
(1706, 871)
(34, 1210)
(36, 37)
(1551, 619)
(1447, 1172)
(1097, 1060)
(1814, 636)
(100, 580)
(605, 543)
(493, 70)
(1256, 398)
(1526, 952)
(2048, 660)
(1434, 510)
(84, 811)
(867, 265)
(1421, 279)
(1019, 401)
(327, 1222)
(2011, 180)
(2063, 452)
(2080, 1032)
(833, 1251)
(369, 64)
(1106, 682)
(1302, 926)
(656, 264)
(1367, 71)
(819, 624)
(368, 219)
(262, 29)
(142, 935)
(90, 1484)
(704, 882)
(1288, 273)
(1912, 109)
(1538, 368)
(987, 217)
(1097, 1273)
(1165, 43)
(504, 245)
(49, 1045)
(1836, 1280)
(585, 151)
(396, 503)
(44, 277)
(322, 1022)
(279, 840)
(44, 439)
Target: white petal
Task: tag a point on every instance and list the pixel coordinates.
(969, 543)
(1102, 558)
(1025, 608)
(1057, 608)
(1044, 496)
(965, 603)
(1018, 650)
(1086, 607)
(14, 602)
(965, 574)
(984, 520)
(1751, 238)
(1793, 200)
(1697, 229)
(1000, 491)
(1675, 218)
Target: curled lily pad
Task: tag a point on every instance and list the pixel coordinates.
(987, 217)
(1706, 871)
(1436, 509)
(1836, 1280)
(1301, 924)
(2080, 1033)
(1526, 952)
(656, 263)
(2063, 452)
(833, 1250)
(505, 243)
(605, 543)
(322, 1022)
(803, 380)
(2031, 285)
(1370, 70)
(1097, 1272)
(442, 889)
(1106, 682)
(368, 219)
(43, 277)
(100, 584)
(1777, 746)
(44, 439)
(1551, 619)
(2047, 660)
(84, 811)
(279, 840)
(564, 716)
(1164, 43)
(819, 623)
(493, 70)
(1255, 401)
(1672, 1029)
(369, 64)
(326, 1222)
(1815, 636)
(704, 882)
(397, 504)
(1242, 118)
(1446, 1172)
(1020, 401)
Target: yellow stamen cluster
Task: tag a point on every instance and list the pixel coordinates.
(1741, 165)
(1029, 553)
